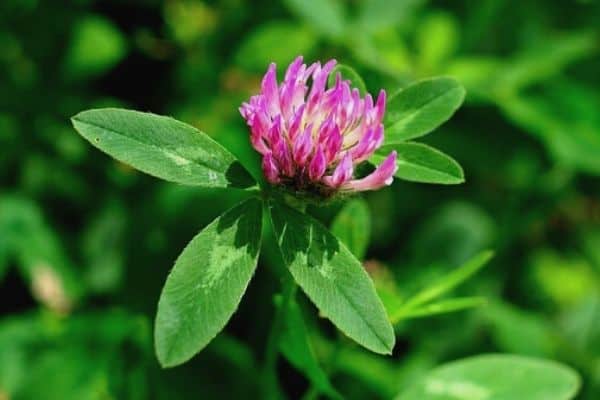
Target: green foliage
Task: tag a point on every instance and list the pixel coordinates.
(38, 348)
(207, 283)
(418, 162)
(352, 225)
(102, 248)
(257, 50)
(325, 16)
(332, 278)
(497, 377)
(440, 307)
(294, 345)
(421, 107)
(41, 257)
(421, 305)
(437, 40)
(379, 15)
(564, 120)
(105, 235)
(450, 281)
(162, 147)
(96, 46)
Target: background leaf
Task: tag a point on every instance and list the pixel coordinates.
(418, 162)
(332, 278)
(379, 15)
(41, 257)
(207, 283)
(263, 45)
(294, 345)
(421, 107)
(352, 225)
(451, 280)
(348, 73)
(497, 377)
(325, 16)
(439, 307)
(96, 45)
(162, 147)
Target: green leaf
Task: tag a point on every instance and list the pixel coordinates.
(332, 278)
(418, 162)
(294, 345)
(437, 40)
(207, 283)
(102, 248)
(263, 45)
(39, 252)
(352, 225)
(162, 147)
(419, 108)
(96, 46)
(497, 377)
(348, 73)
(520, 331)
(325, 16)
(544, 60)
(450, 281)
(564, 117)
(380, 15)
(440, 307)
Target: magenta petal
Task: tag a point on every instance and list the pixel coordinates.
(333, 145)
(270, 91)
(318, 85)
(380, 105)
(270, 169)
(246, 110)
(324, 129)
(382, 176)
(363, 144)
(292, 72)
(258, 143)
(317, 165)
(293, 89)
(303, 146)
(342, 173)
(275, 132)
(296, 124)
(282, 156)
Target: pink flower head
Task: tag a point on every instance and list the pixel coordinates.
(311, 137)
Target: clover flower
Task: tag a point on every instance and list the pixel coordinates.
(311, 137)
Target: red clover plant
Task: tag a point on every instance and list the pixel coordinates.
(320, 139)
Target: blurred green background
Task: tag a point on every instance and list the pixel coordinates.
(86, 242)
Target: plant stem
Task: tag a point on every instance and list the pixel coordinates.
(271, 387)
(329, 366)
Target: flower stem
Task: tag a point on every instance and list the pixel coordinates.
(271, 387)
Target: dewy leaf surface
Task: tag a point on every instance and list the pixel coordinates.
(332, 278)
(421, 107)
(207, 283)
(162, 147)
